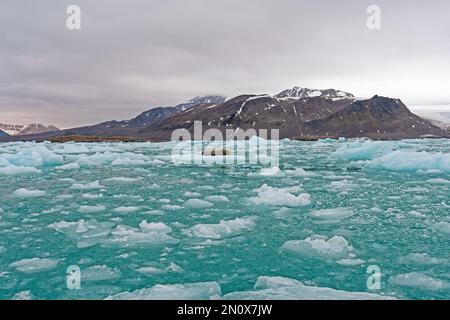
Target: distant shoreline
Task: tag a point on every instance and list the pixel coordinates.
(112, 139)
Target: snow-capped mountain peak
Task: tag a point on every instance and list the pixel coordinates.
(300, 93)
(200, 100)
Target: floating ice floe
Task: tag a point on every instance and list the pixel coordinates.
(186, 291)
(190, 194)
(443, 227)
(90, 233)
(300, 172)
(318, 246)
(411, 161)
(123, 179)
(128, 162)
(149, 234)
(197, 204)
(267, 195)
(332, 214)
(99, 273)
(419, 280)
(271, 172)
(23, 295)
(366, 150)
(15, 170)
(223, 229)
(91, 196)
(88, 186)
(34, 265)
(283, 212)
(24, 193)
(339, 186)
(171, 207)
(33, 156)
(421, 259)
(217, 198)
(91, 209)
(69, 166)
(279, 288)
(438, 181)
(128, 209)
(72, 148)
(152, 270)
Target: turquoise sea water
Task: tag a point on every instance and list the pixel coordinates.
(130, 219)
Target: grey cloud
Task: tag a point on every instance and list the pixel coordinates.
(132, 55)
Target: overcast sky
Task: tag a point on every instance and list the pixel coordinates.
(132, 55)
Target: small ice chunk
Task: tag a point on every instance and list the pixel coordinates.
(99, 273)
(15, 170)
(300, 172)
(350, 262)
(171, 207)
(123, 179)
(23, 295)
(24, 193)
(197, 204)
(91, 209)
(190, 194)
(443, 227)
(88, 186)
(271, 172)
(438, 181)
(125, 161)
(421, 259)
(69, 166)
(217, 198)
(185, 291)
(34, 265)
(336, 247)
(419, 280)
(267, 195)
(128, 209)
(223, 229)
(332, 214)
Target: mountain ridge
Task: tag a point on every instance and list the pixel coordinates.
(32, 128)
(297, 113)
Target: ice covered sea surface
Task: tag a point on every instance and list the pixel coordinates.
(139, 226)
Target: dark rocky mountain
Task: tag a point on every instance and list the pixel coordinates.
(378, 117)
(147, 118)
(250, 111)
(298, 113)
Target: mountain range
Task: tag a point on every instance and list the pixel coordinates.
(298, 113)
(22, 130)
